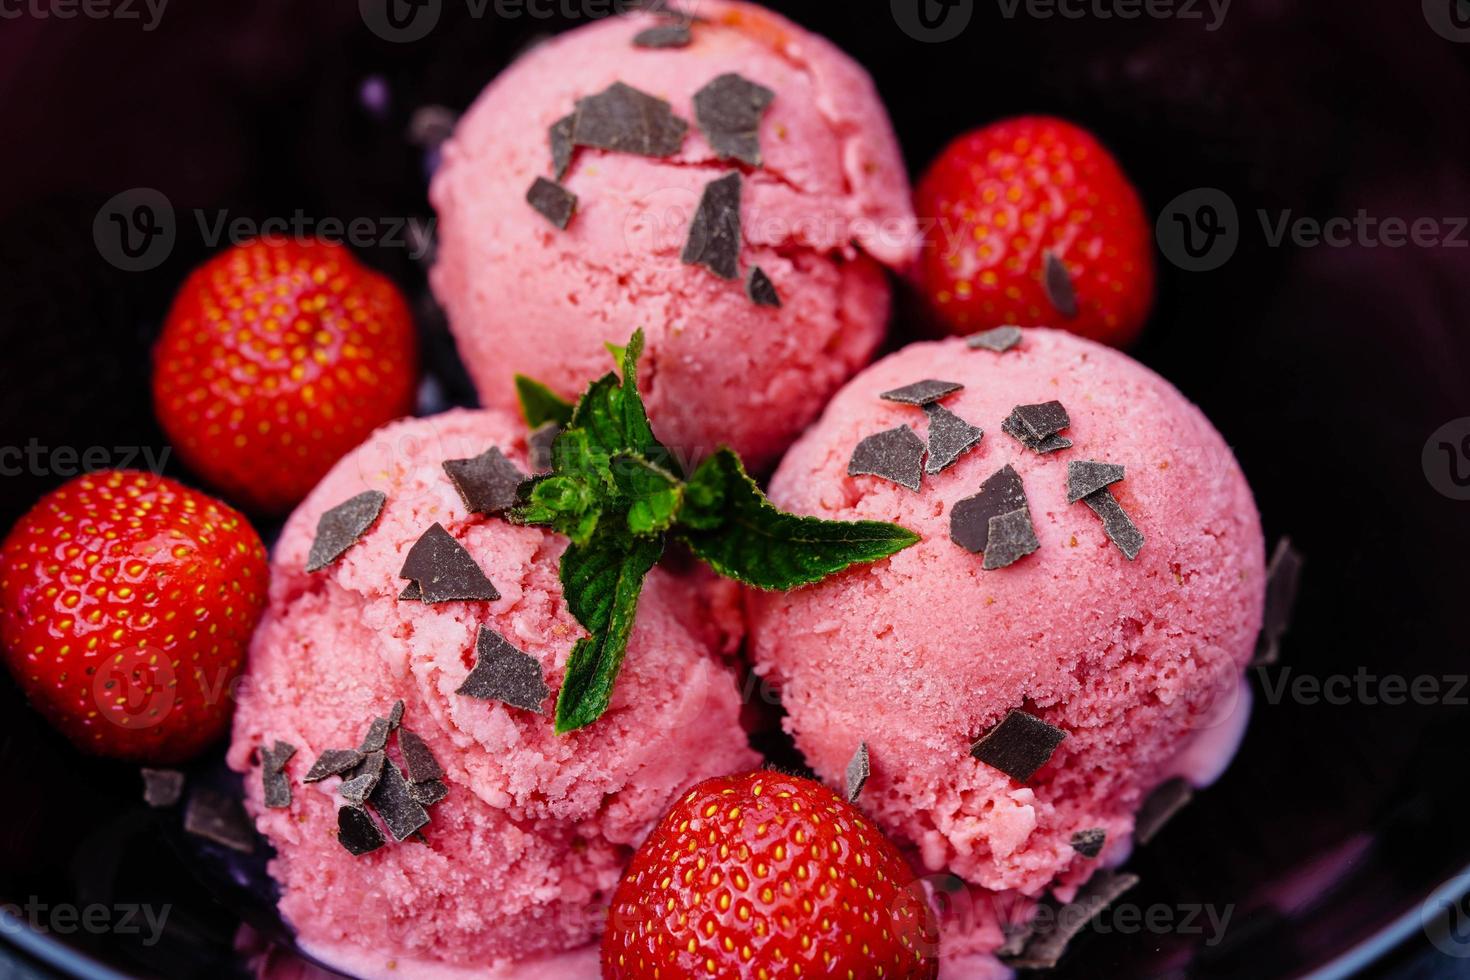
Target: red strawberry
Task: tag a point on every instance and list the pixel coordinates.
(763, 876)
(999, 198)
(128, 601)
(277, 358)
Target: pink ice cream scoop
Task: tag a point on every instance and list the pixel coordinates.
(824, 210)
(1082, 678)
(531, 835)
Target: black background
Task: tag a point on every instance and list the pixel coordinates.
(1326, 368)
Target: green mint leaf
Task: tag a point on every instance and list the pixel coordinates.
(732, 527)
(651, 494)
(539, 404)
(601, 581)
(618, 351)
(564, 504)
(613, 415)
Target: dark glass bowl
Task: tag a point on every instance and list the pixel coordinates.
(1332, 368)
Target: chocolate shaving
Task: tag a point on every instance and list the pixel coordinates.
(219, 818)
(1058, 283)
(376, 738)
(552, 201)
(332, 762)
(625, 120)
(1167, 799)
(417, 759)
(896, 455)
(663, 36)
(950, 437)
(539, 445)
(359, 782)
(1283, 578)
(714, 233)
(858, 771)
(1049, 941)
(999, 339)
(395, 714)
(162, 787)
(969, 519)
(729, 111)
(357, 831)
(1011, 538)
(1089, 476)
(488, 483)
(760, 289)
(560, 138)
(1119, 528)
(277, 788)
(503, 673)
(393, 802)
(1021, 744)
(1089, 843)
(922, 392)
(1035, 426)
(445, 571)
(428, 792)
(342, 527)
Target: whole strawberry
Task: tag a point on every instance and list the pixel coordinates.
(763, 876)
(277, 358)
(128, 602)
(1030, 221)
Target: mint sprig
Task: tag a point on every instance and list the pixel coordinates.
(618, 494)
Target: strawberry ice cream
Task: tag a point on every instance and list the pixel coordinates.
(1110, 674)
(521, 852)
(823, 208)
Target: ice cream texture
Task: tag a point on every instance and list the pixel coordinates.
(522, 853)
(822, 215)
(1139, 662)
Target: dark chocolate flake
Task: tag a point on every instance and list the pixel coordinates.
(445, 571)
(999, 339)
(1089, 843)
(503, 673)
(1011, 538)
(1049, 941)
(428, 792)
(552, 201)
(395, 714)
(417, 759)
(488, 484)
(276, 786)
(1283, 577)
(1020, 745)
(162, 787)
(922, 392)
(395, 804)
(357, 831)
(1089, 476)
(729, 111)
(332, 762)
(376, 738)
(625, 120)
(760, 289)
(274, 759)
(950, 437)
(858, 771)
(538, 445)
(1041, 420)
(969, 519)
(714, 232)
(896, 455)
(1118, 526)
(560, 138)
(1167, 799)
(219, 818)
(1058, 283)
(359, 782)
(342, 527)
(663, 36)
